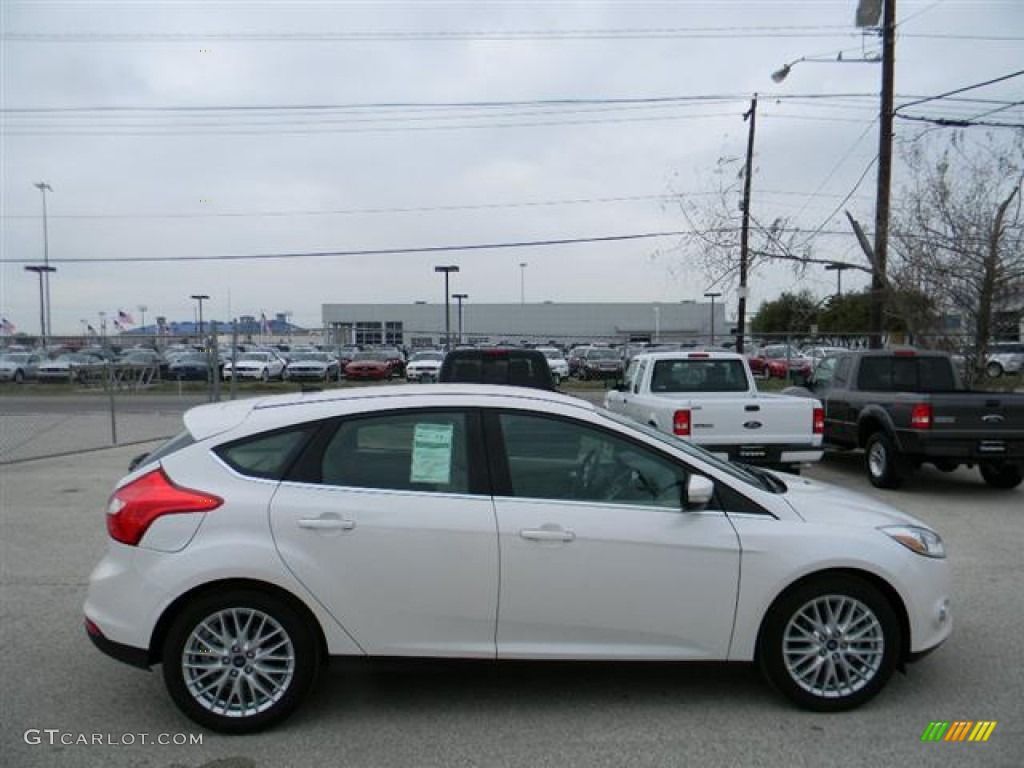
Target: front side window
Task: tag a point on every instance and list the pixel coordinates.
(551, 458)
(417, 451)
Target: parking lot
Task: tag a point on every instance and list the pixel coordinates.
(58, 688)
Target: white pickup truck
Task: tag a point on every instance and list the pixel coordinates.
(710, 399)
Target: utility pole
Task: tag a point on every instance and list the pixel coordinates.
(43, 187)
(741, 312)
(881, 249)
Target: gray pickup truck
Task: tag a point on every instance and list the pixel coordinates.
(906, 407)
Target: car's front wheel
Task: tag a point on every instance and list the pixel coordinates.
(994, 370)
(19, 376)
(239, 661)
(830, 644)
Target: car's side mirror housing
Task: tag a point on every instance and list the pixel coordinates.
(699, 491)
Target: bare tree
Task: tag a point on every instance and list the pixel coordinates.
(958, 229)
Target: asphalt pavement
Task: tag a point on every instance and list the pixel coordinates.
(62, 703)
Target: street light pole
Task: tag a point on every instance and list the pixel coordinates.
(42, 271)
(712, 295)
(200, 297)
(43, 187)
(522, 281)
(142, 319)
(838, 267)
(447, 269)
(459, 297)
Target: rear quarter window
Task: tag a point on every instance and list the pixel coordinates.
(266, 455)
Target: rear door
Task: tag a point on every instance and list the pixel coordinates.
(388, 521)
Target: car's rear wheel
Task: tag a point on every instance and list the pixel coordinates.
(994, 370)
(19, 376)
(239, 661)
(1000, 474)
(830, 644)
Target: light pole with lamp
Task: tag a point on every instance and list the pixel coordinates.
(447, 269)
(522, 281)
(459, 297)
(200, 297)
(712, 295)
(869, 12)
(838, 267)
(657, 324)
(42, 272)
(43, 187)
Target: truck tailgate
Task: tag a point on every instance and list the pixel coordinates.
(767, 419)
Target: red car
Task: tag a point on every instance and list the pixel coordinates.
(369, 365)
(779, 361)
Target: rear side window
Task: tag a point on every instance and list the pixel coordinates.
(417, 451)
(267, 455)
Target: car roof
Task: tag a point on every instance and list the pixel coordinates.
(281, 410)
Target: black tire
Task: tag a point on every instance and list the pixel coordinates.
(816, 665)
(19, 376)
(1000, 474)
(884, 467)
(993, 370)
(265, 375)
(286, 677)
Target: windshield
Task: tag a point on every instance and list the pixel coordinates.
(427, 357)
(379, 357)
(602, 354)
(318, 356)
(740, 472)
(14, 357)
(260, 357)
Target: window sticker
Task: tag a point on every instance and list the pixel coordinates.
(432, 453)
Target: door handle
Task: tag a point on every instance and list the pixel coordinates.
(326, 524)
(547, 534)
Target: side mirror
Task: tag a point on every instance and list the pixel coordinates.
(699, 491)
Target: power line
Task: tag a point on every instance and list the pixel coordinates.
(964, 89)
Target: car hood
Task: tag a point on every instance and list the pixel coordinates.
(825, 504)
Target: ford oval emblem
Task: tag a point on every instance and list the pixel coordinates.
(993, 418)
(752, 425)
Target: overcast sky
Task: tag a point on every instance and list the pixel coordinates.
(387, 126)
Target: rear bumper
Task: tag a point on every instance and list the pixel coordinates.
(136, 657)
(761, 454)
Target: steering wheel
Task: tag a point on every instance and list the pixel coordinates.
(627, 478)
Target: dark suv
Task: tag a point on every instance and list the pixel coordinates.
(515, 367)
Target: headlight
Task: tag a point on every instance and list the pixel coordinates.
(920, 540)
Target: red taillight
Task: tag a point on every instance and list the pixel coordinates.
(921, 416)
(681, 423)
(819, 421)
(904, 353)
(133, 508)
(699, 354)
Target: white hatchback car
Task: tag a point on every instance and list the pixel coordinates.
(276, 532)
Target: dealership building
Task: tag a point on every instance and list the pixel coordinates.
(424, 324)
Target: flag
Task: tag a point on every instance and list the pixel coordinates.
(118, 325)
(124, 317)
(91, 330)
(6, 326)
